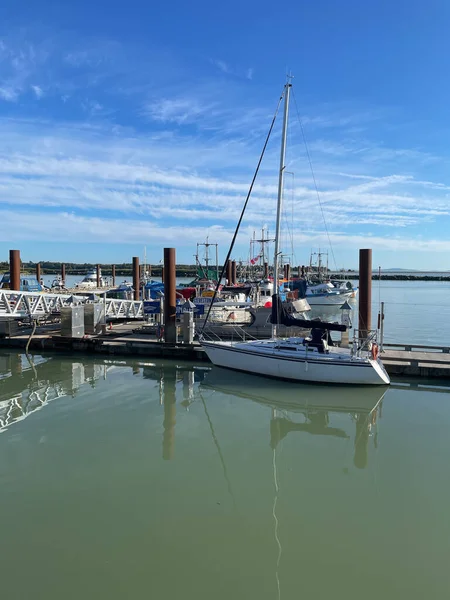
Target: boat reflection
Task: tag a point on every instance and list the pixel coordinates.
(315, 404)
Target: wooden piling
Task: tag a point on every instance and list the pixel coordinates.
(14, 270)
(63, 273)
(266, 270)
(113, 274)
(170, 326)
(365, 292)
(38, 272)
(99, 280)
(229, 273)
(136, 281)
(233, 272)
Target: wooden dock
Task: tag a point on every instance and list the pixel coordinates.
(130, 339)
(417, 363)
(124, 339)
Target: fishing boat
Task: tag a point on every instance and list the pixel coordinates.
(314, 359)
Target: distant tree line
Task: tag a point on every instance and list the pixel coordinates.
(123, 269)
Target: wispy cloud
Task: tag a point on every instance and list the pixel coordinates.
(150, 157)
(177, 110)
(8, 92)
(222, 66)
(235, 71)
(188, 183)
(39, 92)
(19, 60)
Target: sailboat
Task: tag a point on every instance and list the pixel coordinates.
(313, 359)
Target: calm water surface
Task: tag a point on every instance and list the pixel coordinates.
(123, 479)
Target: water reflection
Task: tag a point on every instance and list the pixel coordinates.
(27, 385)
(342, 413)
(242, 486)
(170, 412)
(316, 406)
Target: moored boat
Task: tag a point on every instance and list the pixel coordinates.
(312, 359)
(28, 283)
(90, 281)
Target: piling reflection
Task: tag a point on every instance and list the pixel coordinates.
(170, 412)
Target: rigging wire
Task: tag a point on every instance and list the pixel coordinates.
(314, 179)
(243, 210)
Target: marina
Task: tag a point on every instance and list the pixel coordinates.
(129, 339)
(224, 301)
(114, 326)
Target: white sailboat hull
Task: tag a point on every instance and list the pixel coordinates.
(268, 359)
(329, 299)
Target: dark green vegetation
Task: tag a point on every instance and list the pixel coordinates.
(125, 269)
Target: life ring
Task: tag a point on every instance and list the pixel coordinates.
(231, 317)
(375, 351)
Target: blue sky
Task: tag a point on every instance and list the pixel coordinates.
(135, 124)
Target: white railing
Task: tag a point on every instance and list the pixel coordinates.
(124, 309)
(32, 304)
(36, 304)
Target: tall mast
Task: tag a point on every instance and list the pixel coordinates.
(287, 90)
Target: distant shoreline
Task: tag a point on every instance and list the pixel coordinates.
(394, 277)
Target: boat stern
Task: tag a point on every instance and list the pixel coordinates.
(382, 375)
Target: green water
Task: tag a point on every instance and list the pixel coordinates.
(139, 480)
